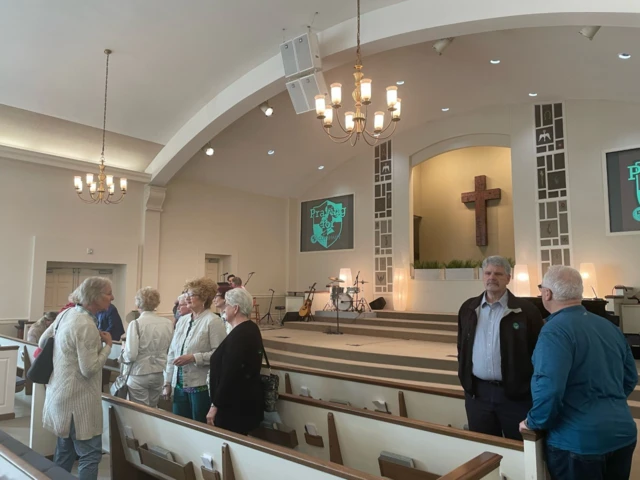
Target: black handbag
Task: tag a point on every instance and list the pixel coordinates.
(42, 367)
(270, 384)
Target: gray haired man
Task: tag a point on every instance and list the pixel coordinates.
(497, 333)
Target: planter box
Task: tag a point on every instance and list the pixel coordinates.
(460, 273)
(429, 274)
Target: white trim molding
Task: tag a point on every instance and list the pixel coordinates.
(13, 153)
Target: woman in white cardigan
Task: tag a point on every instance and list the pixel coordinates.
(73, 405)
(145, 349)
(196, 337)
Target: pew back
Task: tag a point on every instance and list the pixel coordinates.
(430, 404)
(363, 435)
(188, 440)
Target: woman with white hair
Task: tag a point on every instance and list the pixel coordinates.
(145, 349)
(237, 402)
(73, 405)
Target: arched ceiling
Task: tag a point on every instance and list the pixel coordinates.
(182, 73)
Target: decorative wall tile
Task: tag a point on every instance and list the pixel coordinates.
(383, 213)
(554, 237)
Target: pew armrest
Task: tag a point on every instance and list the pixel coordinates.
(532, 435)
(476, 468)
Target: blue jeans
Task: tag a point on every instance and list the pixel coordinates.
(565, 465)
(191, 405)
(89, 451)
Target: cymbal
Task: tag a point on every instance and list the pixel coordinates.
(336, 279)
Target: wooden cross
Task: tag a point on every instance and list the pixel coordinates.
(480, 197)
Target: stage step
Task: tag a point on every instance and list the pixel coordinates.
(376, 331)
(287, 347)
(403, 323)
(445, 378)
(434, 317)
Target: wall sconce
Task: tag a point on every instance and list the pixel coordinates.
(400, 288)
(345, 275)
(521, 283)
(589, 280)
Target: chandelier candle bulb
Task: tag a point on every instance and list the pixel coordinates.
(392, 96)
(328, 118)
(89, 179)
(348, 121)
(93, 187)
(365, 90)
(320, 106)
(378, 121)
(396, 111)
(109, 180)
(336, 94)
(112, 189)
(123, 185)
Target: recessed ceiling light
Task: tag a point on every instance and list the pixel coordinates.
(209, 151)
(446, 109)
(533, 94)
(624, 56)
(495, 62)
(321, 167)
(271, 152)
(400, 82)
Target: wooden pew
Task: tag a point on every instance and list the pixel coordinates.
(235, 457)
(25, 358)
(15, 468)
(430, 404)
(355, 437)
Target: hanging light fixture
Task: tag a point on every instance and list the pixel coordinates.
(356, 121)
(101, 190)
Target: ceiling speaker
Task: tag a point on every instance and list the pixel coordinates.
(301, 55)
(304, 90)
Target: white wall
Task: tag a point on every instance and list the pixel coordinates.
(201, 219)
(42, 220)
(592, 127)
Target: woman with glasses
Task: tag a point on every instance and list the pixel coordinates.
(219, 302)
(196, 337)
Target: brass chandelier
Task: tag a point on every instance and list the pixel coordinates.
(355, 122)
(102, 190)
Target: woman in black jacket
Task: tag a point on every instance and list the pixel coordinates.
(236, 390)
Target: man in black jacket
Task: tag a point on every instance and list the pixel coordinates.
(497, 333)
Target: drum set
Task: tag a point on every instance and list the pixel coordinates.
(350, 299)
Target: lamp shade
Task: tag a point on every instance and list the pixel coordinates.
(345, 275)
(400, 288)
(589, 280)
(521, 283)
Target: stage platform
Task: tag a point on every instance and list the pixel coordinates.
(409, 347)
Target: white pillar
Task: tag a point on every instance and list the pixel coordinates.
(8, 365)
(40, 440)
(534, 465)
(153, 200)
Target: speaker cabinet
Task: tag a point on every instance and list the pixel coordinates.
(304, 90)
(301, 55)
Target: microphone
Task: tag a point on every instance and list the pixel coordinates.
(225, 273)
(272, 290)
(251, 273)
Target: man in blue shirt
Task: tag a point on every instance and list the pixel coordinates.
(109, 321)
(583, 373)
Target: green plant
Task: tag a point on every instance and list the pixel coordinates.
(470, 264)
(511, 261)
(455, 264)
(427, 265)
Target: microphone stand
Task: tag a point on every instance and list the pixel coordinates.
(268, 314)
(250, 275)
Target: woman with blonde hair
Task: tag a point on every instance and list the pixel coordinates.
(196, 337)
(145, 349)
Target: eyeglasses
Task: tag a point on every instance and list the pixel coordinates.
(190, 295)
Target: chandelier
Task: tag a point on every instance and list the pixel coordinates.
(355, 122)
(102, 190)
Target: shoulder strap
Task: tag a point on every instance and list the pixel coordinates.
(60, 321)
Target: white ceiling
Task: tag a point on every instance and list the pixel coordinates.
(556, 62)
(169, 58)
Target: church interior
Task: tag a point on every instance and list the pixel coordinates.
(155, 142)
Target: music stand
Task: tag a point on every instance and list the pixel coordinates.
(268, 316)
(337, 332)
